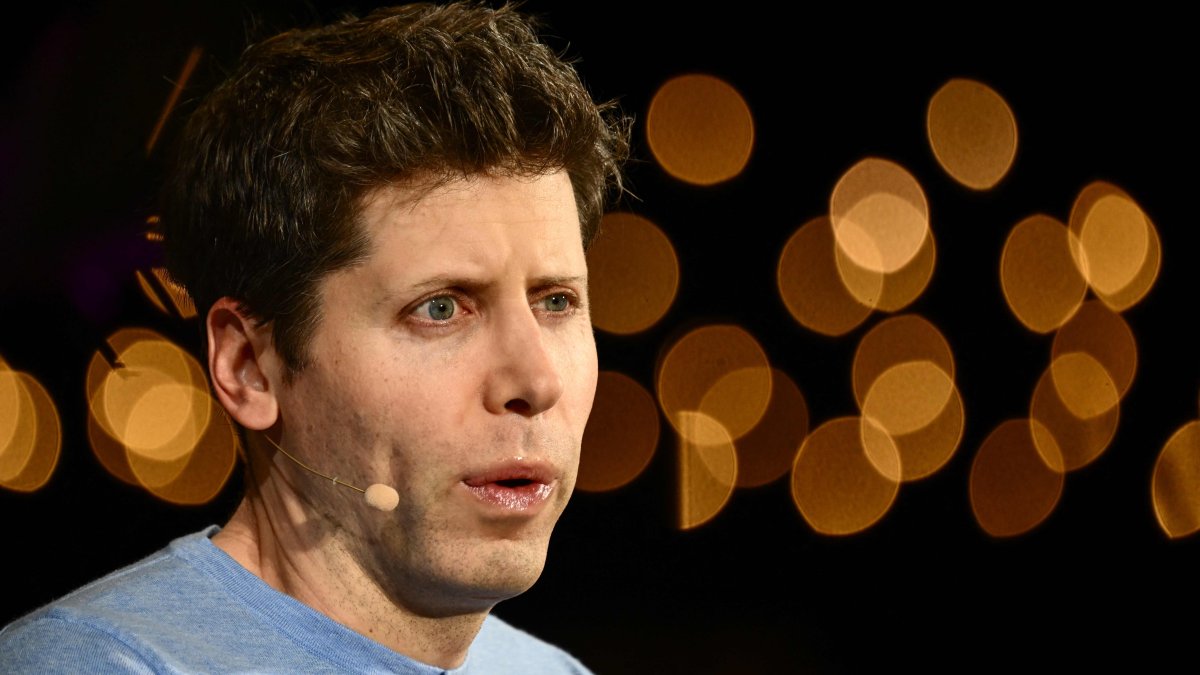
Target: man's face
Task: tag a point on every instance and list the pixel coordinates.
(457, 364)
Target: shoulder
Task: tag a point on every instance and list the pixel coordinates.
(50, 642)
(104, 626)
(502, 648)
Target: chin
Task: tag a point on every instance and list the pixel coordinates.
(475, 578)
(512, 567)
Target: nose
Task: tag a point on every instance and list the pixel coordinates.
(524, 377)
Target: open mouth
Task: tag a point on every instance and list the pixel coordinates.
(514, 482)
(512, 488)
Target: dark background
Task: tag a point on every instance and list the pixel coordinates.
(1095, 97)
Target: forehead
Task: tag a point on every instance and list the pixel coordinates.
(481, 215)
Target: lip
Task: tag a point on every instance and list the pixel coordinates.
(517, 487)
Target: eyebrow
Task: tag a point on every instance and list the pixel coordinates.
(472, 284)
(578, 280)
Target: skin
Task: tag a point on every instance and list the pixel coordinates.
(460, 348)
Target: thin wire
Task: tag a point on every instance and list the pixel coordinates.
(335, 479)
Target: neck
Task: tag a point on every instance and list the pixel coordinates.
(272, 536)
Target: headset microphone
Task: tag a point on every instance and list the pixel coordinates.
(379, 496)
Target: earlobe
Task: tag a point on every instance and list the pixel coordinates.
(240, 361)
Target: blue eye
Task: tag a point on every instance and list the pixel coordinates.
(559, 302)
(441, 308)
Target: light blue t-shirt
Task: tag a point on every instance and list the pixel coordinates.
(190, 608)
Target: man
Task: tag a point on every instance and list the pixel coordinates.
(386, 220)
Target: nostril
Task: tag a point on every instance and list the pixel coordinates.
(518, 405)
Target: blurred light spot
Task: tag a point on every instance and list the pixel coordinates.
(164, 413)
(108, 358)
(699, 360)
(1066, 441)
(726, 399)
(155, 405)
(207, 469)
(908, 397)
(1101, 333)
(894, 341)
(148, 291)
(838, 488)
(1112, 237)
(22, 420)
(879, 214)
(108, 451)
(1115, 246)
(159, 288)
(811, 285)
(153, 421)
(700, 129)
(1141, 284)
(1176, 482)
(1012, 488)
(10, 402)
(926, 450)
(767, 451)
(1041, 283)
(31, 455)
(972, 132)
(633, 274)
(621, 434)
(1083, 385)
(189, 66)
(890, 292)
(707, 468)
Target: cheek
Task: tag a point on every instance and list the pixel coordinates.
(582, 377)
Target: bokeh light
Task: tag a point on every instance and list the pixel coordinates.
(1083, 385)
(204, 471)
(972, 132)
(879, 214)
(811, 285)
(1113, 238)
(29, 457)
(1141, 284)
(897, 340)
(838, 488)
(727, 399)
(1114, 245)
(1175, 486)
(908, 397)
(1102, 334)
(888, 292)
(21, 418)
(700, 129)
(156, 405)
(1012, 488)
(1037, 272)
(160, 289)
(695, 364)
(621, 434)
(1067, 441)
(10, 402)
(189, 66)
(927, 449)
(633, 274)
(152, 421)
(108, 451)
(707, 468)
(767, 451)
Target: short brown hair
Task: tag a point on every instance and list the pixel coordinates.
(272, 167)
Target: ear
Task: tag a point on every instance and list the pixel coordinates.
(242, 363)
